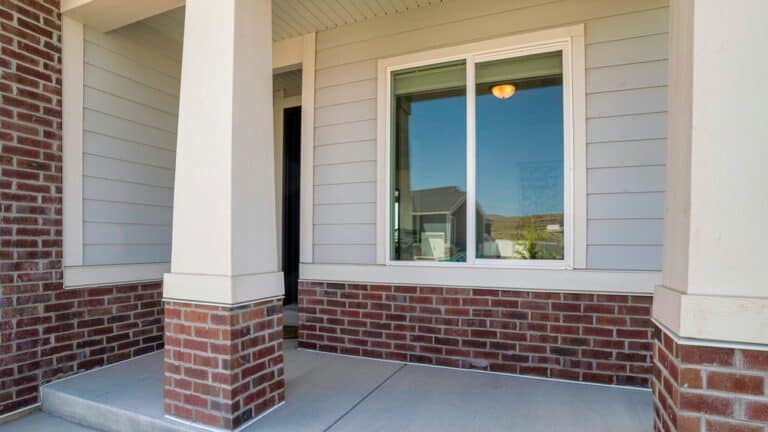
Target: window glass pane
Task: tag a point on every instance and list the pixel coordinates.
(428, 196)
(519, 156)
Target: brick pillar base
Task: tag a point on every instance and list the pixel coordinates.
(700, 388)
(223, 365)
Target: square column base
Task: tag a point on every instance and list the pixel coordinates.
(708, 387)
(223, 364)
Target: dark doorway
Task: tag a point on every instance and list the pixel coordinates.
(291, 202)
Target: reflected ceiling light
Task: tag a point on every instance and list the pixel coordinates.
(503, 91)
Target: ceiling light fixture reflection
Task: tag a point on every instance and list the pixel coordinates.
(503, 91)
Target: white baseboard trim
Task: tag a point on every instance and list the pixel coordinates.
(579, 281)
(103, 275)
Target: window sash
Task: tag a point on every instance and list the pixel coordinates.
(472, 59)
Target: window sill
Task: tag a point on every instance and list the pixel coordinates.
(102, 275)
(563, 280)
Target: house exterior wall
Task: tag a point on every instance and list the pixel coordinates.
(583, 337)
(130, 102)
(48, 332)
(626, 119)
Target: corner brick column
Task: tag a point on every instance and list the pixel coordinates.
(224, 364)
(708, 388)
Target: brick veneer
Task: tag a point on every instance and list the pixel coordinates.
(47, 332)
(585, 337)
(701, 388)
(223, 365)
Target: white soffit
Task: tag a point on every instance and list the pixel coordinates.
(291, 18)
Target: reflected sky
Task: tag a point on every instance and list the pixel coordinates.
(520, 152)
(519, 149)
(437, 143)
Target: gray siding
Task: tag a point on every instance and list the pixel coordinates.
(130, 100)
(626, 117)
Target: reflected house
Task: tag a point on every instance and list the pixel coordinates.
(438, 222)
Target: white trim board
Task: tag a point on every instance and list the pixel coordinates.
(586, 281)
(73, 51)
(306, 187)
(568, 40)
(101, 275)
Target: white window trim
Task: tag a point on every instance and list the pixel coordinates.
(568, 39)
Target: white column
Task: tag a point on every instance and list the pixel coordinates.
(224, 236)
(716, 219)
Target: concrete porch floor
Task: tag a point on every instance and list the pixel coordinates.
(334, 393)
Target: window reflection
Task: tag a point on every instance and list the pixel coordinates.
(429, 169)
(519, 158)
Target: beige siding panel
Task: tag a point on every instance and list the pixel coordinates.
(114, 169)
(625, 77)
(100, 101)
(633, 127)
(352, 92)
(111, 190)
(163, 43)
(641, 101)
(654, 21)
(345, 214)
(126, 43)
(345, 152)
(636, 50)
(347, 112)
(345, 234)
(626, 153)
(345, 132)
(354, 172)
(346, 254)
(111, 233)
(346, 193)
(344, 74)
(102, 145)
(113, 62)
(129, 89)
(127, 130)
(626, 206)
(626, 232)
(624, 257)
(126, 213)
(625, 180)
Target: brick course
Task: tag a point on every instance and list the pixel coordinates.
(583, 337)
(223, 365)
(701, 388)
(47, 332)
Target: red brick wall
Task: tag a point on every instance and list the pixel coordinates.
(699, 388)
(223, 365)
(47, 332)
(584, 337)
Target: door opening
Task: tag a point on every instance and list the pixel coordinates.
(291, 201)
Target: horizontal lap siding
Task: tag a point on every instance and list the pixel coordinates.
(626, 139)
(130, 98)
(626, 117)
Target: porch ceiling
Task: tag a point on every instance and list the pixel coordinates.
(291, 18)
